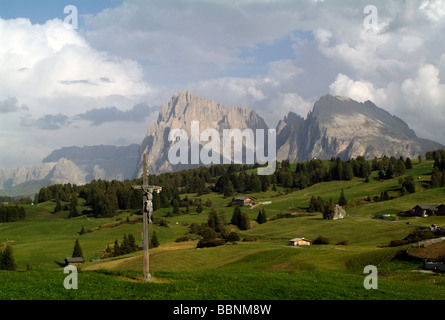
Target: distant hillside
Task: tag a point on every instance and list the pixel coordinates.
(27, 189)
(100, 162)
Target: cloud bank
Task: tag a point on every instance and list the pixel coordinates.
(273, 56)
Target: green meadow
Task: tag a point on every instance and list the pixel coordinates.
(264, 269)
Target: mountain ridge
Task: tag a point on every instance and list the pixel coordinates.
(335, 127)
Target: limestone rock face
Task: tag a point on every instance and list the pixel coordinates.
(179, 113)
(341, 127)
(100, 162)
(336, 127)
(62, 171)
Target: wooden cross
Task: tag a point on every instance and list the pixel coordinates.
(147, 211)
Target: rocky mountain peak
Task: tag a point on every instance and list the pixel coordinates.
(179, 113)
(341, 127)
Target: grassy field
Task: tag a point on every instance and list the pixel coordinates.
(259, 270)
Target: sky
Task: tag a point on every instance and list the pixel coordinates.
(98, 74)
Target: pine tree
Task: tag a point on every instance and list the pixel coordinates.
(262, 217)
(117, 249)
(408, 163)
(125, 248)
(212, 220)
(436, 178)
(342, 200)
(77, 252)
(389, 172)
(175, 207)
(58, 207)
(312, 205)
(229, 189)
(154, 240)
(244, 223)
(236, 216)
(328, 210)
(132, 243)
(82, 231)
(7, 260)
(199, 208)
(73, 207)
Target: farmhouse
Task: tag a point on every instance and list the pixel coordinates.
(245, 201)
(425, 210)
(73, 261)
(299, 242)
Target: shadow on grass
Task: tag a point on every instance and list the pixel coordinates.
(60, 264)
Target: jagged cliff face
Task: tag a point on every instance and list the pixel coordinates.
(179, 113)
(62, 171)
(99, 162)
(341, 127)
(336, 127)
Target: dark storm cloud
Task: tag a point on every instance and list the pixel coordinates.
(100, 116)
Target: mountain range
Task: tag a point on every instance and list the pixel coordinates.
(336, 127)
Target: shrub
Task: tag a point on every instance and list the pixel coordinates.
(208, 234)
(397, 243)
(233, 237)
(163, 223)
(342, 243)
(210, 243)
(182, 239)
(321, 240)
(249, 239)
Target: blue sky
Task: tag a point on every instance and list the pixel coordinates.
(42, 10)
(102, 83)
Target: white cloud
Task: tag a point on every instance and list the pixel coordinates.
(213, 48)
(49, 74)
(433, 9)
(50, 61)
(426, 90)
(357, 90)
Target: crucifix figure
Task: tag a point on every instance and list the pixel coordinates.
(147, 211)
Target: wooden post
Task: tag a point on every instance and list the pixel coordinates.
(146, 255)
(147, 209)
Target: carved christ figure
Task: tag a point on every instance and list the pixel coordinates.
(148, 205)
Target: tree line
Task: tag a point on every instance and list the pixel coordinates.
(105, 198)
(11, 213)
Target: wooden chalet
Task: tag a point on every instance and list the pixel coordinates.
(300, 242)
(73, 261)
(245, 201)
(425, 210)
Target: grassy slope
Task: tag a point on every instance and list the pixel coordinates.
(267, 269)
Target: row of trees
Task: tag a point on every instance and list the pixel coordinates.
(12, 213)
(105, 197)
(128, 245)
